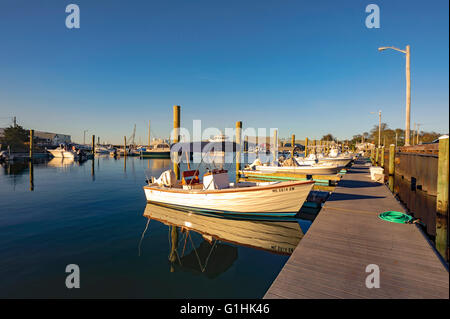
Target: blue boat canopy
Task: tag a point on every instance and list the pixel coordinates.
(205, 147)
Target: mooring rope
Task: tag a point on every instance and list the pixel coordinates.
(142, 237)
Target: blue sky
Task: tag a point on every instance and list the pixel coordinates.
(305, 67)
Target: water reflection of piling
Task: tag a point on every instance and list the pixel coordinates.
(93, 169)
(174, 247)
(30, 164)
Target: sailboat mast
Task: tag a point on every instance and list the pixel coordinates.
(148, 133)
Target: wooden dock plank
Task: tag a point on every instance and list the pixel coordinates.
(347, 235)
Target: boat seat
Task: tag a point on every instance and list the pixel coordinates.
(190, 177)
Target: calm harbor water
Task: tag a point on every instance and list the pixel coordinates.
(92, 215)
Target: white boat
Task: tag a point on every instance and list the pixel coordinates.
(217, 196)
(326, 169)
(102, 149)
(334, 158)
(60, 152)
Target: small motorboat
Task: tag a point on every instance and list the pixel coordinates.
(216, 195)
(295, 166)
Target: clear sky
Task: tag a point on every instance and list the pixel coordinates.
(305, 67)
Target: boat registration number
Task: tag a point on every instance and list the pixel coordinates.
(285, 189)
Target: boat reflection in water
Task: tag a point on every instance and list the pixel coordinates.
(61, 162)
(218, 251)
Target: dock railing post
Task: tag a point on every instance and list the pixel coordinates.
(238, 150)
(442, 244)
(31, 144)
(176, 138)
(391, 166)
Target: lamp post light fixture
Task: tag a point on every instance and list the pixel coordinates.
(408, 89)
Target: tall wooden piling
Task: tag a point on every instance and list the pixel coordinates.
(292, 145)
(93, 145)
(391, 166)
(275, 145)
(238, 150)
(176, 138)
(306, 147)
(442, 243)
(376, 156)
(31, 144)
(125, 146)
(246, 143)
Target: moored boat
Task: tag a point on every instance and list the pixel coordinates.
(217, 196)
(326, 169)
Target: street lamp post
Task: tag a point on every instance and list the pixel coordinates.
(379, 127)
(408, 89)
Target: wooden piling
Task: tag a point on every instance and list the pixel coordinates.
(275, 145)
(31, 144)
(238, 151)
(93, 145)
(382, 156)
(176, 138)
(442, 243)
(292, 145)
(124, 146)
(391, 166)
(306, 147)
(376, 156)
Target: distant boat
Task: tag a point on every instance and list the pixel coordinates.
(326, 169)
(156, 150)
(60, 152)
(216, 195)
(103, 149)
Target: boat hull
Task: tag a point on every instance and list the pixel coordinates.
(150, 154)
(343, 162)
(279, 199)
(62, 154)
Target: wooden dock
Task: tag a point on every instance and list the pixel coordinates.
(347, 236)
